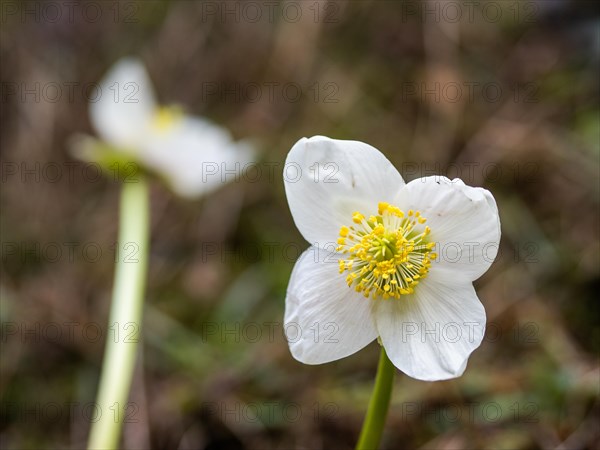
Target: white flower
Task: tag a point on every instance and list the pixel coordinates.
(388, 260)
(192, 154)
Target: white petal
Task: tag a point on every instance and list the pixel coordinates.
(326, 180)
(464, 223)
(125, 104)
(429, 335)
(196, 156)
(325, 320)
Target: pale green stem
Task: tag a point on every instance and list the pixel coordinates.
(124, 327)
(374, 423)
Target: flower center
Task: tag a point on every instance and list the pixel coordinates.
(166, 117)
(387, 254)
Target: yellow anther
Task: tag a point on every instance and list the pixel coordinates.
(344, 231)
(166, 117)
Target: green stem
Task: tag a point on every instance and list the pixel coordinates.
(125, 316)
(374, 423)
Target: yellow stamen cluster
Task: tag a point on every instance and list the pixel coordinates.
(388, 254)
(166, 117)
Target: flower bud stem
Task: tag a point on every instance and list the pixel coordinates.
(124, 330)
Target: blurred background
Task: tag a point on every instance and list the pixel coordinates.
(503, 94)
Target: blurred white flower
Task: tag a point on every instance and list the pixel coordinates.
(389, 260)
(192, 154)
